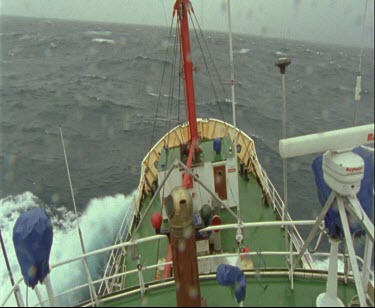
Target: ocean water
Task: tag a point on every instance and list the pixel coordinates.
(101, 83)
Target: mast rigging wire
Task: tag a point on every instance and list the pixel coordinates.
(213, 62)
(172, 82)
(161, 83)
(206, 64)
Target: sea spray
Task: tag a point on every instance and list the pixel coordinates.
(99, 223)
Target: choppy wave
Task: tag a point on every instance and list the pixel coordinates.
(103, 40)
(242, 51)
(98, 32)
(99, 224)
(149, 59)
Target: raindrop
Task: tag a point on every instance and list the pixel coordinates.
(325, 114)
(55, 198)
(181, 246)
(32, 271)
(187, 232)
(193, 292)
(309, 70)
(264, 30)
(144, 300)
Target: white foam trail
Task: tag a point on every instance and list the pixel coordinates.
(323, 265)
(103, 40)
(99, 224)
(242, 51)
(104, 33)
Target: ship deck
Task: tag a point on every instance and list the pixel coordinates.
(262, 291)
(267, 281)
(142, 267)
(257, 239)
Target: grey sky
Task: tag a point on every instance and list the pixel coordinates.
(337, 21)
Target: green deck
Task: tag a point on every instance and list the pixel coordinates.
(168, 157)
(264, 289)
(257, 239)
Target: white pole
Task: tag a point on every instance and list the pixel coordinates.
(329, 298)
(19, 297)
(140, 276)
(51, 296)
(285, 174)
(282, 63)
(285, 162)
(39, 296)
(91, 287)
(232, 76)
(233, 95)
(367, 263)
(291, 269)
(332, 268)
(358, 87)
(351, 251)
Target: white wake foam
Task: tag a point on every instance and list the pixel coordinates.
(103, 40)
(99, 223)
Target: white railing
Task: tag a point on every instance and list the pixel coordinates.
(222, 257)
(279, 206)
(123, 235)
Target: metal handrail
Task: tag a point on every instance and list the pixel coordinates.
(279, 207)
(122, 235)
(207, 257)
(150, 267)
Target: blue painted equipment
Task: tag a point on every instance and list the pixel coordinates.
(217, 145)
(32, 239)
(232, 276)
(364, 196)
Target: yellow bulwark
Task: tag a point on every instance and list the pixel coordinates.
(207, 129)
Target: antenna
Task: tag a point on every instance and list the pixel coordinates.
(282, 63)
(239, 235)
(232, 76)
(358, 87)
(84, 260)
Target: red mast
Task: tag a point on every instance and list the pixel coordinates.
(182, 8)
(185, 263)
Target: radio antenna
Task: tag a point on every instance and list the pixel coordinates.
(84, 260)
